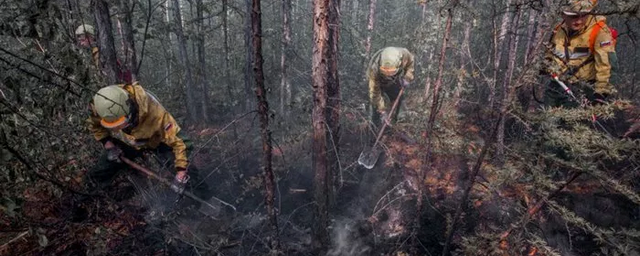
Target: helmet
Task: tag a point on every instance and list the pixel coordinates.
(579, 7)
(111, 105)
(85, 29)
(390, 60)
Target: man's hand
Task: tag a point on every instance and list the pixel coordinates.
(113, 152)
(385, 118)
(404, 82)
(179, 183)
(600, 99)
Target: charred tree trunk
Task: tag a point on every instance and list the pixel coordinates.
(285, 86)
(108, 60)
(513, 46)
(263, 111)
(184, 58)
(333, 89)
(248, 76)
(320, 67)
(202, 63)
(130, 63)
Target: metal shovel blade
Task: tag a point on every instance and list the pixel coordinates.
(369, 157)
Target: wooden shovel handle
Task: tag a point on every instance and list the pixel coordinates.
(393, 108)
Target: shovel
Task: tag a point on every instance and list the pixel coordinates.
(150, 173)
(369, 156)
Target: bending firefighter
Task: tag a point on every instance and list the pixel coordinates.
(128, 121)
(388, 70)
(582, 56)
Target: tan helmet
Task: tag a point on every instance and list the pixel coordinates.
(85, 29)
(110, 103)
(390, 60)
(579, 7)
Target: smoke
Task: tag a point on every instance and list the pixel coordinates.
(347, 240)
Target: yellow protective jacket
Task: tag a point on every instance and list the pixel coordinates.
(377, 79)
(154, 126)
(570, 52)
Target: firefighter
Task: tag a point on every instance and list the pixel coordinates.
(85, 36)
(582, 55)
(388, 70)
(127, 120)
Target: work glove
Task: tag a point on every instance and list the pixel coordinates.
(404, 82)
(385, 118)
(179, 183)
(599, 99)
(114, 153)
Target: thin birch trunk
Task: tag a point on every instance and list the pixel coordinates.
(321, 49)
(372, 16)
(263, 111)
(285, 86)
(513, 47)
(184, 58)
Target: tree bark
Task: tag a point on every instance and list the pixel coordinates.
(106, 45)
(333, 90)
(513, 46)
(248, 76)
(225, 32)
(202, 63)
(498, 39)
(184, 58)
(372, 16)
(285, 86)
(130, 63)
(320, 67)
(263, 111)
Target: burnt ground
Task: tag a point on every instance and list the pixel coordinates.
(374, 212)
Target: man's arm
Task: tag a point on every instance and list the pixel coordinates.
(375, 95)
(170, 130)
(407, 62)
(604, 54)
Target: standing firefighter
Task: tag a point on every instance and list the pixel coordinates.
(128, 120)
(85, 35)
(389, 69)
(582, 56)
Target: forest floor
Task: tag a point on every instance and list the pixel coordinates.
(375, 210)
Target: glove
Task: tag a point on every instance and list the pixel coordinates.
(179, 183)
(404, 82)
(599, 99)
(385, 117)
(114, 153)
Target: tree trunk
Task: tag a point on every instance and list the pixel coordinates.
(202, 63)
(333, 90)
(463, 61)
(169, 46)
(248, 76)
(498, 38)
(513, 46)
(285, 86)
(372, 16)
(320, 67)
(108, 59)
(130, 63)
(225, 32)
(184, 58)
(263, 111)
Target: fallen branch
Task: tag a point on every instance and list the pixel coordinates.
(14, 239)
